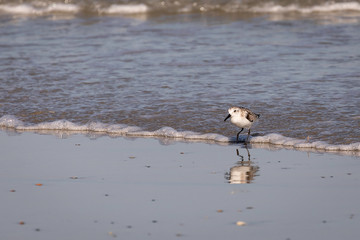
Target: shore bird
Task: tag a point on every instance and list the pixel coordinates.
(243, 118)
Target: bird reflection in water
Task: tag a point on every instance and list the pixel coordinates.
(243, 172)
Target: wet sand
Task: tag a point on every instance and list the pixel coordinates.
(128, 188)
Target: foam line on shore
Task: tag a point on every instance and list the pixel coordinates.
(27, 9)
(143, 7)
(11, 122)
(322, 8)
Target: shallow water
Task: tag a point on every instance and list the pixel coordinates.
(298, 69)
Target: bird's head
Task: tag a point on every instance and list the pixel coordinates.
(232, 111)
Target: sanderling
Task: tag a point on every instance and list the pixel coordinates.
(243, 118)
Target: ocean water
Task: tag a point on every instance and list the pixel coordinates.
(173, 68)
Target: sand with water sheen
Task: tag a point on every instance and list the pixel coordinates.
(80, 187)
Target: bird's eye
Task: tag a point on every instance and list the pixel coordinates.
(234, 110)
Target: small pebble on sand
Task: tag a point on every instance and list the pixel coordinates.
(112, 234)
(240, 223)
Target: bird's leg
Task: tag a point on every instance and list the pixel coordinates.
(248, 135)
(237, 136)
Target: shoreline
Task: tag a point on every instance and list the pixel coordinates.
(136, 188)
(60, 128)
(265, 142)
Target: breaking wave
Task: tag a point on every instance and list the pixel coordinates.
(121, 7)
(11, 122)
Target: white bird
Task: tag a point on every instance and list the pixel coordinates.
(243, 118)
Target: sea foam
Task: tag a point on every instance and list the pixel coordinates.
(46, 7)
(125, 9)
(26, 9)
(278, 139)
(325, 7)
(41, 9)
(11, 122)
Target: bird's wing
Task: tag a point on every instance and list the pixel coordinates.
(250, 116)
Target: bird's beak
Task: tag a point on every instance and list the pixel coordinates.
(227, 117)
